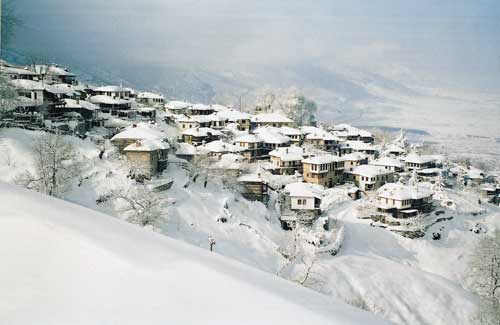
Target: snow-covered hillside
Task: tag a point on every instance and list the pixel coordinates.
(70, 265)
(408, 281)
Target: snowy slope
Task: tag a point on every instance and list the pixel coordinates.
(70, 265)
(409, 281)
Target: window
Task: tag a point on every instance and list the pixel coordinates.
(299, 202)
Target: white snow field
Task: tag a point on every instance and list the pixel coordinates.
(406, 281)
(65, 264)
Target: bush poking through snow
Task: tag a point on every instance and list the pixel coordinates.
(141, 206)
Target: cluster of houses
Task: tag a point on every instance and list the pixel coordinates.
(264, 150)
(307, 159)
(49, 97)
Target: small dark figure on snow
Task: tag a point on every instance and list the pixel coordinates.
(211, 241)
(101, 153)
(436, 236)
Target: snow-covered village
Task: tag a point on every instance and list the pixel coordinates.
(127, 204)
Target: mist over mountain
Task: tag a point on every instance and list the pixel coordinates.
(381, 57)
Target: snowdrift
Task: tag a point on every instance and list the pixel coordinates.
(65, 264)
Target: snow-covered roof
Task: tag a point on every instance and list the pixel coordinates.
(419, 159)
(18, 71)
(251, 178)
(322, 159)
(113, 89)
(53, 70)
(21, 101)
(131, 90)
(292, 153)
(387, 161)
(176, 104)
(271, 118)
(250, 138)
(233, 115)
(429, 171)
(369, 171)
(355, 156)
(139, 132)
(147, 94)
(489, 188)
(288, 131)
(301, 189)
(186, 149)
(342, 127)
(313, 132)
(362, 133)
(395, 148)
(61, 89)
(398, 191)
(102, 99)
(273, 137)
(229, 161)
(322, 135)
(147, 145)
(72, 103)
(219, 146)
(28, 84)
(475, 173)
(145, 109)
(201, 132)
(361, 146)
(201, 107)
(219, 107)
(198, 118)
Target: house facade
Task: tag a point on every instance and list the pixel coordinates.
(287, 160)
(147, 157)
(354, 159)
(151, 99)
(404, 200)
(391, 164)
(115, 92)
(301, 204)
(272, 120)
(325, 170)
(252, 146)
(369, 177)
(416, 161)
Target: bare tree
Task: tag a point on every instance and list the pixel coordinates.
(8, 96)
(301, 109)
(142, 206)
(300, 254)
(56, 165)
(484, 273)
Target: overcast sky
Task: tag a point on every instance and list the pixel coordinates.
(455, 39)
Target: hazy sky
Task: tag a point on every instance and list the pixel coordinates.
(453, 39)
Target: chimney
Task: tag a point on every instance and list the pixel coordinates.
(134, 125)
